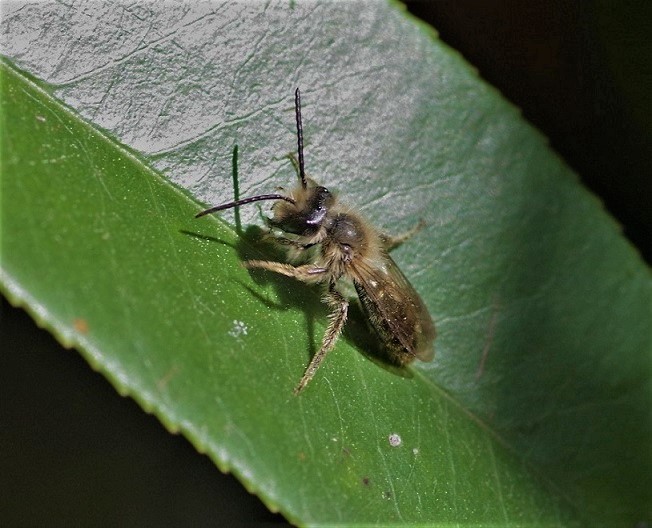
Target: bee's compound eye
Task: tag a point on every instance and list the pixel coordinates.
(322, 197)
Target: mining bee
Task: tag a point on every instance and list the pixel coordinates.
(328, 243)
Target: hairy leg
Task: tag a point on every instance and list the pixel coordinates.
(339, 306)
(307, 273)
(393, 241)
(284, 241)
(295, 161)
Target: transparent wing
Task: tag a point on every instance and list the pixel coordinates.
(394, 307)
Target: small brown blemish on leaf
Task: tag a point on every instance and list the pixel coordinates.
(301, 456)
(366, 481)
(162, 383)
(387, 495)
(489, 340)
(80, 325)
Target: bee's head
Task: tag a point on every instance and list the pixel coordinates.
(302, 213)
(305, 214)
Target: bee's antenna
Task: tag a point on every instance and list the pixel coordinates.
(245, 201)
(297, 107)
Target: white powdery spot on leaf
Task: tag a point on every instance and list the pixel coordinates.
(239, 329)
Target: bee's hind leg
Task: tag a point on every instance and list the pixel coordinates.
(393, 241)
(339, 306)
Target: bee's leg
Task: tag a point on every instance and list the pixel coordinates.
(307, 273)
(294, 160)
(261, 215)
(392, 242)
(284, 241)
(339, 306)
(295, 163)
(293, 248)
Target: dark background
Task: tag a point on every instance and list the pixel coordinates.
(582, 73)
(74, 452)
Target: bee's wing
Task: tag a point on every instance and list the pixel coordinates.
(391, 300)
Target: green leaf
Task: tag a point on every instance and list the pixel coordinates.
(536, 407)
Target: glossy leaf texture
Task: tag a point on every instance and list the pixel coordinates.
(536, 408)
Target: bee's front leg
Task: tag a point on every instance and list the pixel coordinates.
(294, 160)
(284, 241)
(307, 273)
(339, 306)
(393, 241)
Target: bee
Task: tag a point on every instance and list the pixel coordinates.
(328, 244)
